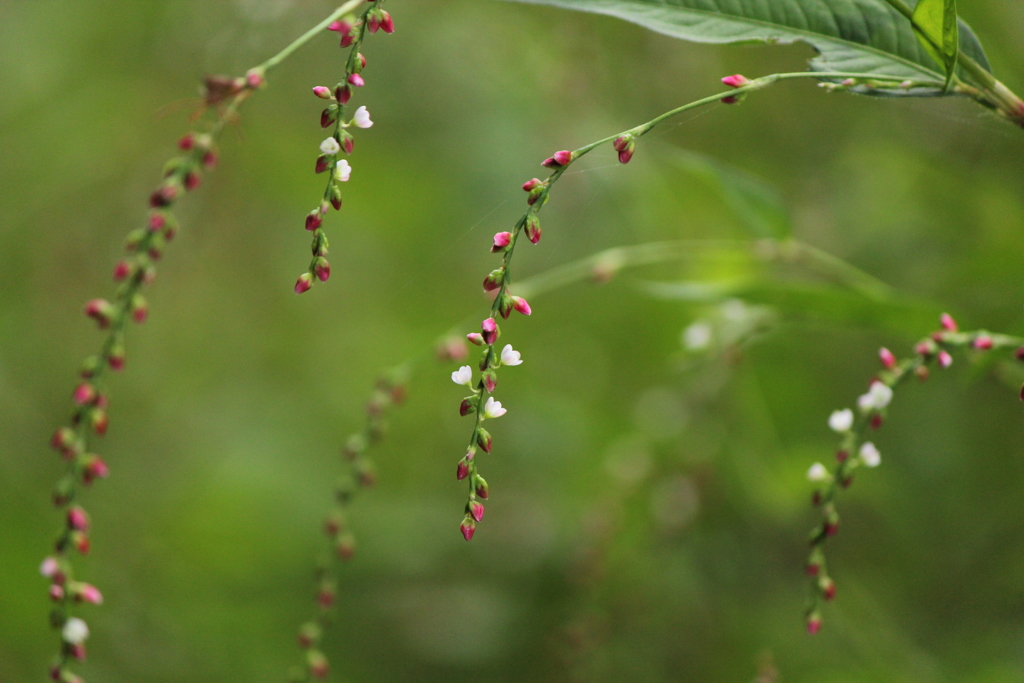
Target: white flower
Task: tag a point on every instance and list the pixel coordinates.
(841, 420)
(869, 455)
(330, 146)
(510, 356)
(493, 408)
(343, 172)
(697, 336)
(49, 568)
(75, 631)
(817, 473)
(463, 375)
(878, 397)
(362, 118)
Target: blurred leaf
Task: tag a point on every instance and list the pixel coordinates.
(935, 23)
(757, 204)
(868, 36)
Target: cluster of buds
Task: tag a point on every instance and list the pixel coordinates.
(389, 392)
(143, 248)
(352, 30)
(856, 450)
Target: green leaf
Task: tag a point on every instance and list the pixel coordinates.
(859, 36)
(937, 29)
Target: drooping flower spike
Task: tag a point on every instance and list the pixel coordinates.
(856, 451)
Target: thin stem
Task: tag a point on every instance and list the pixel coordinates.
(309, 35)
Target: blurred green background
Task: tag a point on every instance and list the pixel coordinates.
(649, 510)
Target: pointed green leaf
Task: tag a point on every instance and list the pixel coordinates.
(859, 36)
(937, 29)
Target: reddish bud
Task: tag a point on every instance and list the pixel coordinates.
(468, 528)
(520, 304)
(140, 309)
(922, 372)
(77, 651)
(828, 588)
(483, 439)
(736, 81)
(322, 92)
(558, 159)
(328, 116)
(347, 40)
(343, 93)
(101, 311)
(887, 358)
(490, 381)
(94, 469)
(157, 221)
(813, 624)
(345, 547)
(532, 184)
(490, 330)
(947, 322)
(481, 488)
(164, 196)
(78, 520)
(314, 219)
(192, 180)
(475, 338)
(501, 240)
(983, 342)
(387, 24)
(467, 407)
(476, 510)
(945, 360)
(533, 228)
(304, 282)
(373, 22)
(56, 593)
(322, 163)
(122, 270)
(64, 440)
(323, 269)
(356, 81)
(876, 421)
(99, 420)
(925, 349)
(85, 394)
(85, 592)
(813, 568)
(1019, 353)
(187, 142)
(343, 26)
(494, 279)
(462, 471)
(831, 528)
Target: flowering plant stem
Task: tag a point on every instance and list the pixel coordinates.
(481, 404)
(856, 451)
(223, 97)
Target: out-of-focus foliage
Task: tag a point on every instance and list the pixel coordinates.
(649, 510)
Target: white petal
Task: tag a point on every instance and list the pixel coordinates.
(463, 375)
(330, 146)
(841, 420)
(881, 393)
(817, 473)
(75, 631)
(493, 408)
(343, 171)
(697, 336)
(510, 356)
(866, 402)
(869, 455)
(362, 118)
(49, 568)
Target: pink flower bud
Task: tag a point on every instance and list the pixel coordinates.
(983, 342)
(348, 144)
(347, 40)
(1019, 353)
(322, 92)
(57, 593)
(328, 116)
(122, 270)
(813, 624)
(483, 439)
(558, 159)
(813, 568)
(468, 406)
(77, 651)
(210, 160)
(187, 142)
(101, 311)
(462, 471)
(828, 588)
(85, 394)
(88, 593)
(64, 440)
(323, 269)
(533, 228)
(314, 219)
(342, 26)
(304, 282)
(387, 24)
(356, 81)
(947, 322)
(945, 360)
(49, 568)
(490, 330)
(192, 180)
(887, 358)
(94, 469)
(481, 489)
(625, 146)
(164, 196)
(476, 509)
(345, 547)
(81, 542)
(736, 81)
(922, 372)
(520, 304)
(490, 381)
(468, 528)
(322, 163)
(78, 520)
(925, 349)
(373, 22)
(343, 93)
(501, 240)
(325, 598)
(495, 277)
(140, 309)
(475, 338)
(99, 421)
(532, 184)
